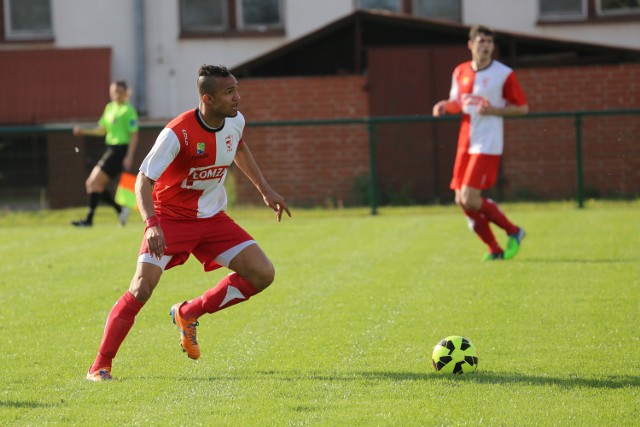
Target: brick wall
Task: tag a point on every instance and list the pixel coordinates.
(540, 155)
(309, 165)
(47, 85)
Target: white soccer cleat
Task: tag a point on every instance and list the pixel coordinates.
(123, 216)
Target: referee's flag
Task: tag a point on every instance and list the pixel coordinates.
(125, 194)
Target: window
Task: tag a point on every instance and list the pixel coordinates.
(588, 10)
(390, 5)
(230, 16)
(563, 9)
(618, 7)
(259, 15)
(205, 15)
(437, 9)
(27, 19)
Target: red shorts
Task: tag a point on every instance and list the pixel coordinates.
(205, 238)
(475, 170)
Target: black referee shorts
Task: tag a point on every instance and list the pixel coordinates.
(111, 161)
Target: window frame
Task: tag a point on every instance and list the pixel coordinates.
(458, 19)
(8, 34)
(623, 12)
(259, 27)
(402, 7)
(408, 7)
(578, 16)
(593, 15)
(236, 28)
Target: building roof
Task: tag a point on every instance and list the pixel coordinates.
(340, 47)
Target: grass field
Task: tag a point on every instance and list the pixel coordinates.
(344, 335)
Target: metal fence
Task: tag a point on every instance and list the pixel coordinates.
(16, 177)
(373, 123)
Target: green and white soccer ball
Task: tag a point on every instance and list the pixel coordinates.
(455, 355)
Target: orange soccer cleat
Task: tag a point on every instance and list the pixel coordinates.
(102, 374)
(187, 332)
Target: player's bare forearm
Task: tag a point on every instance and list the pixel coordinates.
(143, 190)
(246, 162)
(506, 111)
(439, 109)
(97, 131)
(131, 150)
(153, 234)
(446, 106)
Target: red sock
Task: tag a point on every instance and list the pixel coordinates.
(493, 213)
(119, 322)
(231, 290)
(479, 223)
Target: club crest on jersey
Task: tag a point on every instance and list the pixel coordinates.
(228, 141)
(200, 153)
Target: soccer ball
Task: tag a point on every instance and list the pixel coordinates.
(455, 354)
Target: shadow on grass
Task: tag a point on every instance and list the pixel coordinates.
(510, 378)
(611, 382)
(581, 260)
(19, 404)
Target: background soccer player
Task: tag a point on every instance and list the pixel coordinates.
(181, 195)
(485, 91)
(119, 125)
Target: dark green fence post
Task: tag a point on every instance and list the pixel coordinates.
(578, 125)
(373, 183)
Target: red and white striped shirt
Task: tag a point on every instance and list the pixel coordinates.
(497, 84)
(189, 162)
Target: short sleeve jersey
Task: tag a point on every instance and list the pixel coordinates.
(120, 121)
(189, 162)
(497, 83)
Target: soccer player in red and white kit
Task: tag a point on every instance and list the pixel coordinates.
(181, 196)
(484, 91)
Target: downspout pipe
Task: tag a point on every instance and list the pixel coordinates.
(140, 94)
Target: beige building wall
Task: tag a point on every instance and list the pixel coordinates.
(521, 16)
(170, 63)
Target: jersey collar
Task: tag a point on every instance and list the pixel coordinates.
(206, 126)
